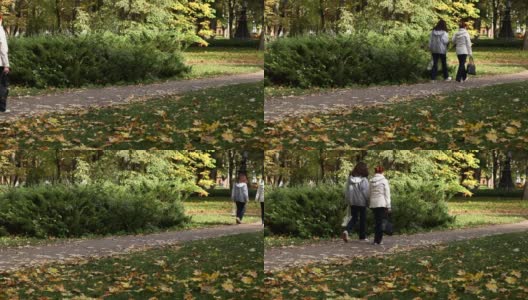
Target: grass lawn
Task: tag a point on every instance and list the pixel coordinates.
(222, 268)
(489, 61)
(488, 268)
(487, 211)
(474, 119)
(225, 118)
(205, 62)
(218, 211)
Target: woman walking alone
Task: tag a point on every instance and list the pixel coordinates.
(380, 202)
(438, 42)
(357, 196)
(462, 40)
(240, 195)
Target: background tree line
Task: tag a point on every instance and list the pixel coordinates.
(196, 170)
(184, 17)
(468, 170)
(297, 17)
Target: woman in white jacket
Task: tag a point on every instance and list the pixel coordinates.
(462, 40)
(380, 201)
(260, 198)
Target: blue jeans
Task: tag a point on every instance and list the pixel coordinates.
(4, 89)
(379, 214)
(362, 212)
(241, 209)
(443, 59)
(462, 73)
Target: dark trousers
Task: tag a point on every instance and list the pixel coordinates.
(356, 211)
(443, 59)
(4, 89)
(462, 73)
(379, 214)
(262, 211)
(241, 209)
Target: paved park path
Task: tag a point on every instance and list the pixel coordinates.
(276, 109)
(14, 258)
(284, 257)
(83, 98)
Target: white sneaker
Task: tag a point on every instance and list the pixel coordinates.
(377, 244)
(238, 220)
(344, 236)
(7, 111)
(448, 79)
(364, 240)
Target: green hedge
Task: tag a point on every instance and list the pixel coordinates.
(73, 211)
(226, 193)
(69, 61)
(233, 43)
(499, 43)
(318, 211)
(497, 193)
(330, 61)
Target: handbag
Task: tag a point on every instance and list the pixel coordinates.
(430, 65)
(386, 225)
(471, 68)
(347, 217)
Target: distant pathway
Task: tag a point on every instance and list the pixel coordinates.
(278, 108)
(30, 105)
(13, 258)
(284, 257)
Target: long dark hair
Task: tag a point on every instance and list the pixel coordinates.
(441, 26)
(360, 170)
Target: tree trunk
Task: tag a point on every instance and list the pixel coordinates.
(322, 15)
(495, 158)
(242, 31)
(231, 17)
(262, 42)
(525, 43)
(525, 192)
(58, 15)
(506, 31)
(495, 17)
(231, 165)
(506, 181)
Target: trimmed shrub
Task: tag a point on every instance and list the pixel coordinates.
(305, 211)
(75, 61)
(227, 193)
(72, 211)
(499, 43)
(318, 211)
(233, 43)
(330, 61)
(497, 193)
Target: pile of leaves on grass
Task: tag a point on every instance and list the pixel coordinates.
(489, 268)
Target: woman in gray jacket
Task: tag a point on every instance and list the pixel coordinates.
(357, 196)
(240, 195)
(438, 42)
